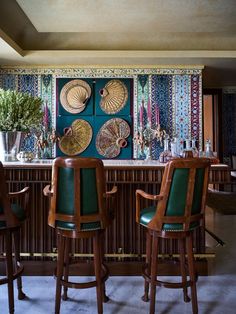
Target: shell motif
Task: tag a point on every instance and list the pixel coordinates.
(77, 138)
(114, 96)
(112, 137)
(74, 96)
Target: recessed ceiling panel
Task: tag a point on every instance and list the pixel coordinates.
(130, 16)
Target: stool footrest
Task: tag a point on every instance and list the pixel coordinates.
(16, 274)
(166, 284)
(89, 284)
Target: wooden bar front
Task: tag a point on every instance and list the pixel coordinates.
(124, 241)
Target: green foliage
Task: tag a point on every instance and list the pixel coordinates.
(19, 111)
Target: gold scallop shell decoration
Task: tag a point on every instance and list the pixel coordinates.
(74, 96)
(111, 137)
(114, 96)
(77, 138)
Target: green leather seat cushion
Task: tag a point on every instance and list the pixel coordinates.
(17, 210)
(147, 214)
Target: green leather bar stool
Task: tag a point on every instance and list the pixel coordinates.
(78, 210)
(13, 212)
(179, 211)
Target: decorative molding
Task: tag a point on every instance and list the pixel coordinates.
(103, 72)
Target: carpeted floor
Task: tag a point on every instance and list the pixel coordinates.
(216, 292)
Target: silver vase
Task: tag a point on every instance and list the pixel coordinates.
(10, 143)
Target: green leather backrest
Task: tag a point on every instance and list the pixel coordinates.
(197, 194)
(178, 193)
(179, 189)
(66, 191)
(89, 198)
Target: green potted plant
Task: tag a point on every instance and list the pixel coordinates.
(19, 113)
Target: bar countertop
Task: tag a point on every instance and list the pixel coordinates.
(108, 163)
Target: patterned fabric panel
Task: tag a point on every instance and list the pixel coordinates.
(142, 111)
(8, 81)
(46, 93)
(173, 101)
(161, 98)
(182, 108)
(28, 84)
(195, 107)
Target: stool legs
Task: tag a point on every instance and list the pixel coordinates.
(63, 272)
(145, 297)
(8, 239)
(60, 264)
(182, 267)
(152, 241)
(153, 273)
(97, 268)
(13, 267)
(192, 273)
(102, 239)
(66, 267)
(16, 235)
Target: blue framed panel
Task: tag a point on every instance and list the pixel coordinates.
(94, 115)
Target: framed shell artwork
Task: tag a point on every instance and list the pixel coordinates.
(114, 96)
(74, 96)
(111, 137)
(76, 138)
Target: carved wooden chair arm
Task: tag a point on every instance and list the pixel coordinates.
(111, 192)
(47, 191)
(141, 193)
(24, 195)
(110, 205)
(14, 195)
(145, 195)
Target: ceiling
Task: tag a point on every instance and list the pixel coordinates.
(124, 32)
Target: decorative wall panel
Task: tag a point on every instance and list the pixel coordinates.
(28, 84)
(108, 99)
(169, 96)
(174, 102)
(8, 81)
(161, 100)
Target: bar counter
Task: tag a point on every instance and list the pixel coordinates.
(124, 240)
